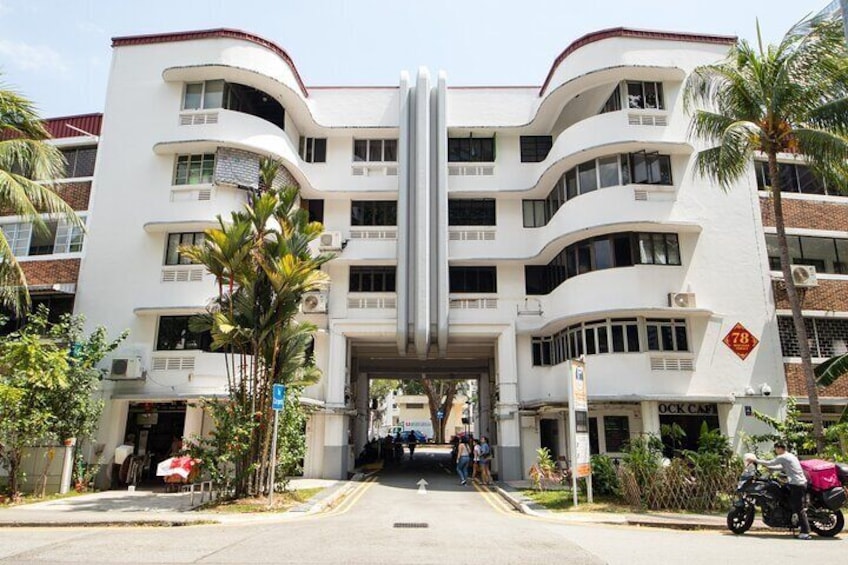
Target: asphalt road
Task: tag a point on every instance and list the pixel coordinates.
(463, 525)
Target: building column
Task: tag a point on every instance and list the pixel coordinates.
(362, 411)
(509, 432)
(650, 417)
(194, 420)
(335, 459)
(484, 401)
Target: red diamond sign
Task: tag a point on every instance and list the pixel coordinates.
(740, 341)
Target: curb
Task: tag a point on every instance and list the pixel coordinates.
(111, 524)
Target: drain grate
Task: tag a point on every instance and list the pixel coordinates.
(411, 525)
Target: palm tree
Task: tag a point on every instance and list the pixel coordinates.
(789, 98)
(28, 166)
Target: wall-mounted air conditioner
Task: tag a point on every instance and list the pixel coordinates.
(314, 303)
(330, 241)
(804, 276)
(125, 369)
(681, 299)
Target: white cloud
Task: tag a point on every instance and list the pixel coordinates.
(31, 57)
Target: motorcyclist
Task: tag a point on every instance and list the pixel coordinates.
(789, 465)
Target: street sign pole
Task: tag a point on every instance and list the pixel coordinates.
(278, 403)
(273, 461)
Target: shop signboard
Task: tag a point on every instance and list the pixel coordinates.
(578, 416)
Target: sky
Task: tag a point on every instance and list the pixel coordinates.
(58, 52)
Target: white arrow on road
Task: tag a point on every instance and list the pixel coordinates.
(422, 486)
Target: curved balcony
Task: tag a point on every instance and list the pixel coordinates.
(597, 136)
(603, 211)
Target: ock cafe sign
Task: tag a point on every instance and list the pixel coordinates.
(686, 408)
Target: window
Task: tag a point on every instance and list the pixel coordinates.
(613, 103)
(375, 150)
(194, 169)
(794, 178)
(80, 161)
(827, 255)
(659, 249)
(612, 170)
(173, 256)
(596, 337)
(473, 279)
(535, 148)
(204, 95)
(471, 149)
(313, 149)
(373, 213)
(616, 433)
(471, 212)
(602, 252)
(645, 95)
(18, 236)
(59, 237)
(69, 238)
(827, 336)
(414, 405)
(174, 335)
(314, 207)
(372, 279)
(666, 335)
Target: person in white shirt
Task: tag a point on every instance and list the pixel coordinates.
(787, 463)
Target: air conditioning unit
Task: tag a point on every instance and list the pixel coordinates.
(681, 299)
(314, 303)
(330, 241)
(125, 369)
(804, 276)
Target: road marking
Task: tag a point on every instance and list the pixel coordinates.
(350, 500)
(496, 501)
(422, 486)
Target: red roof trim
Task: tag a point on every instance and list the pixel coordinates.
(634, 33)
(211, 34)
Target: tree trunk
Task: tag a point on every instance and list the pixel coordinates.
(795, 304)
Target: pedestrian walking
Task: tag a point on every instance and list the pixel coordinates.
(463, 457)
(790, 466)
(475, 460)
(398, 448)
(412, 443)
(485, 463)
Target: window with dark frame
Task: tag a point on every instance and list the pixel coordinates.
(314, 207)
(535, 148)
(80, 161)
(372, 279)
(203, 95)
(597, 337)
(373, 213)
(173, 255)
(828, 255)
(375, 150)
(194, 169)
(473, 279)
(616, 433)
(173, 334)
(613, 103)
(602, 252)
(794, 177)
(666, 335)
(645, 95)
(471, 212)
(313, 149)
(471, 149)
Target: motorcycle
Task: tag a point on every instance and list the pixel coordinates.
(772, 496)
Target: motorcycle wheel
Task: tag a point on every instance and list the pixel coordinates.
(827, 523)
(739, 520)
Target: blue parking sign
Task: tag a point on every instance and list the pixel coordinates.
(278, 399)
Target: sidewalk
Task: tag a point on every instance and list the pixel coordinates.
(130, 508)
(512, 493)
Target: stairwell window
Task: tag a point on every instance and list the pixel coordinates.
(471, 149)
(313, 149)
(613, 103)
(659, 249)
(80, 161)
(373, 213)
(645, 95)
(372, 279)
(473, 279)
(173, 255)
(535, 148)
(194, 169)
(375, 150)
(828, 337)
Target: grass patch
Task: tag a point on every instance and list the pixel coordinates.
(283, 501)
(32, 499)
(562, 501)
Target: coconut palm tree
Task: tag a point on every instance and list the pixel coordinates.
(786, 98)
(28, 166)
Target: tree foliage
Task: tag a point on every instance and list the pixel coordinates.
(262, 263)
(786, 98)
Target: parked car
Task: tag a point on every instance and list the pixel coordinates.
(419, 437)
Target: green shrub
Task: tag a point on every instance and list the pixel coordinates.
(604, 477)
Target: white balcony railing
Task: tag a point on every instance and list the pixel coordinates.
(478, 303)
(471, 234)
(374, 232)
(374, 169)
(372, 301)
(470, 170)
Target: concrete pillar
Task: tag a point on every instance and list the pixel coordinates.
(335, 458)
(193, 428)
(67, 467)
(362, 411)
(650, 417)
(113, 428)
(313, 462)
(509, 431)
(484, 395)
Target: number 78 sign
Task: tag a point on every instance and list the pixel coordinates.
(740, 341)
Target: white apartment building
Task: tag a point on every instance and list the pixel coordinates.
(484, 233)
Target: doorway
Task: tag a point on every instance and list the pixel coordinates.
(549, 436)
(154, 428)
